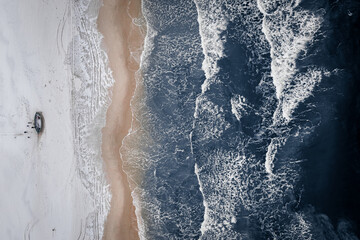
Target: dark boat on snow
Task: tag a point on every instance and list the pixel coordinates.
(38, 122)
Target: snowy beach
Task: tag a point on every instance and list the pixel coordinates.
(49, 190)
(42, 194)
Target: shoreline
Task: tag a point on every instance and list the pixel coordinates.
(121, 35)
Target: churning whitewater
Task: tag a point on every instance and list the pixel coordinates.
(238, 121)
(236, 96)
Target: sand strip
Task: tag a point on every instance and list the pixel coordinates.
(120, 35)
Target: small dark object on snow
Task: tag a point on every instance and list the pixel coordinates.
(38, 122)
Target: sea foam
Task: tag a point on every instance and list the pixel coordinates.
(289, 30)
(218, 171)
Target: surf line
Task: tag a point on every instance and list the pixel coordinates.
(117, 25)
(210, 30)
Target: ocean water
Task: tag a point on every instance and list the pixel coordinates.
(248, 120)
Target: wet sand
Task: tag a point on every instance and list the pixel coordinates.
(120, 35)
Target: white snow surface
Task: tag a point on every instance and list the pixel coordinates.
(43, 194)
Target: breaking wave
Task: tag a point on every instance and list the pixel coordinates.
(232, 104)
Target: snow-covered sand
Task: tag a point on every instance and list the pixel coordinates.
(44, 180)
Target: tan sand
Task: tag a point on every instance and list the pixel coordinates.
(120, 35)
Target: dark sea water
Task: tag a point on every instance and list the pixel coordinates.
(251, 112)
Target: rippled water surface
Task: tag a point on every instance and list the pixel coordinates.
(249, 120)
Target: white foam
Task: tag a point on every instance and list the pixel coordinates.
(205, 223)
(214, 115)
(212, 22)
(218, 177)
(239, 106)
(302, 226)
(269, 157)
(210, 29)
(289, 34)
(302, 88)
(220, 183)
(268, 7)
(289, 30)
